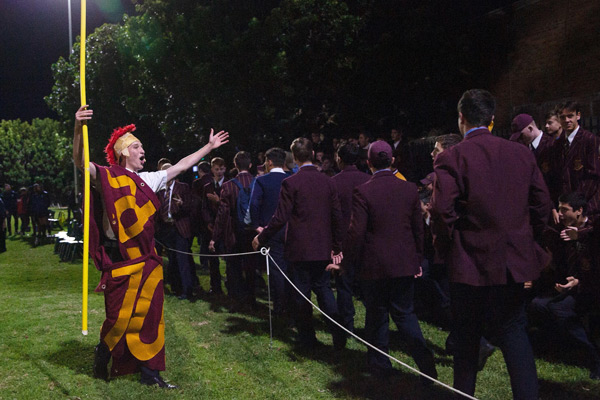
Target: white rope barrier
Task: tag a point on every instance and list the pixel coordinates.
(207, 255)
(265, 251)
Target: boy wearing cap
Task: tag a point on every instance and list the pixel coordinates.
(525, 131)
(122, 246)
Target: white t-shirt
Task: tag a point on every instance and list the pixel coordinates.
(157, 180)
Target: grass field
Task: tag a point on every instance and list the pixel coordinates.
(211, 353)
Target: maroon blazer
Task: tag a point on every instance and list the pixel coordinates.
(309, 204)
(227, 220)
(544, 156)
(209, 209)
(579, 165)
(386, 229)
(197, 190)
(198, 185)
(179, 213)
(488, 196)
(345, 182)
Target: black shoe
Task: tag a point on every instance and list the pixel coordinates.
(485, 351)
(101, 359)
(158, 381)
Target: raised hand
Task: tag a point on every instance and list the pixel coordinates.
(217, 140)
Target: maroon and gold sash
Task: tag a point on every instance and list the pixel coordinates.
(133, 289)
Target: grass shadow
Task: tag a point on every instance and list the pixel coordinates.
(551, 348)
(401, 386)
(579, 390)
(75, 355)
(237, 325)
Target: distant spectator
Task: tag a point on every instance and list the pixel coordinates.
(161, 162)
(22, 206)
(396, 138)
(10, 204)
(553, 126)
(2, 227)
(39, 204)
(364, 140)
(320, 144)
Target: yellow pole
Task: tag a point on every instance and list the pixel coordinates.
(86, 178)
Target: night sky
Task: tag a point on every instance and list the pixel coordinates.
(33, 35)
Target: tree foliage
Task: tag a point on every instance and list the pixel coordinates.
(271, 70)
(36, 152)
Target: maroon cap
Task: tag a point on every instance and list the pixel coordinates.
(428, 179)
(518, 124)
(377, 147)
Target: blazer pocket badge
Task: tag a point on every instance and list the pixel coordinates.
(577, 165)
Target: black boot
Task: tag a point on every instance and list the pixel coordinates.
(101, 360)
(152, 377)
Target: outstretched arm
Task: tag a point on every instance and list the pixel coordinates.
(81, 116)
(215, 141)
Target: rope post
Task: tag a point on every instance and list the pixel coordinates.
(265, 252)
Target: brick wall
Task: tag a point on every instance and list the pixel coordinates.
(555, 57)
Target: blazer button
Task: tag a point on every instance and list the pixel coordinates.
(142, 184)
(103, 287)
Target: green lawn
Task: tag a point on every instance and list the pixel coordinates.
(211, 353)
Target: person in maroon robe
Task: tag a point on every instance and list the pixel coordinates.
(122, 247)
